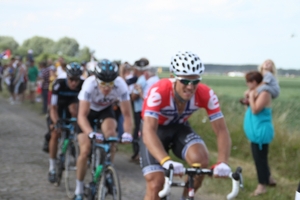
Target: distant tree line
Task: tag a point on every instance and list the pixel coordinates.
(45, 48)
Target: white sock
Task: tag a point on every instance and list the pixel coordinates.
(79, 187)
(51, 164)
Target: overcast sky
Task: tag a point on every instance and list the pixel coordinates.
(219, 31)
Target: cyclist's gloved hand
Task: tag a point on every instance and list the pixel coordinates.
(178, 167)
(221, 169)
(98, 136)
(126, 137)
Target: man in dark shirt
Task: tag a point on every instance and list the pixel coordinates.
(44, 76)
(64, 104)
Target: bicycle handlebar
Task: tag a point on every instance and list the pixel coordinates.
(109, 140)
(236, 177)
(66, 123)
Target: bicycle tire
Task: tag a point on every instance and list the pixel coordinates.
(70, 169)
(59, 169)
(108, 190)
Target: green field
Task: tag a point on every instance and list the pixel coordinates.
(284, 151)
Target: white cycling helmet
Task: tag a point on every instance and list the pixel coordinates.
(186, 63)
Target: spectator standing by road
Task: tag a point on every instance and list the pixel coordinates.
(259, 130)
(1, 75)
(18, 81)
(151, 78)
(137, 97)
(44, 76)
(61, 68)
(32, 79)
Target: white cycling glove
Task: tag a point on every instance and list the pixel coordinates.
(98, 136)
(126, 137)
(178, 167)
(221, 169)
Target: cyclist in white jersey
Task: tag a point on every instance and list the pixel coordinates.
(98, 93)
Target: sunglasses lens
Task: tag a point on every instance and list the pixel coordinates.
(186, 82)
(74, 79)
(109, 84)
(195, 82)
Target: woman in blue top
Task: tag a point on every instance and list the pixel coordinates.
(259, 129)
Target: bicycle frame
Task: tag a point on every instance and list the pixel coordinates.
(97, 169)
(105, 146)
(67, 135)
(67, 127)
(237, 181)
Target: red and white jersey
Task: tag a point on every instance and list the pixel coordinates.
(160, 103)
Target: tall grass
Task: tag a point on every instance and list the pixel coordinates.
(284, 151)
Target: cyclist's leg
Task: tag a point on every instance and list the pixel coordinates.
(84, 152)
(154, 184)
(73, 107)
(108, 127)
(153, 173)
(53, 143)
(152, 170)
(190, 147)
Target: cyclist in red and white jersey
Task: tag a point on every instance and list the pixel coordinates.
(166, 109)
(96, 97)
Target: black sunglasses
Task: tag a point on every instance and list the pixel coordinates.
(188, 81)
(74, 79)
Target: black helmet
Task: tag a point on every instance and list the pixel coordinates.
(106, 70)
(74, 69)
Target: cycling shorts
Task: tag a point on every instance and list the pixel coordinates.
(63, 109)
(99, 116)
(178, 137)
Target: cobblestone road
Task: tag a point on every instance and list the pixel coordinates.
(24, 167)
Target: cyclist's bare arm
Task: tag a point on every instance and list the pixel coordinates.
(84, 109)
(151, 139)
(126, 110)
(223, 139)
(54, 113)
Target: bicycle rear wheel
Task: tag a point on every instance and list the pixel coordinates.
(109, 185)
(70, 169)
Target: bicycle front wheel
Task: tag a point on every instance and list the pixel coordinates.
(70, 169)
(109, 185)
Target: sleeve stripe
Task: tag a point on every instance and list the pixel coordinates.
(149, 113)
(216, 116)
(54, 99)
